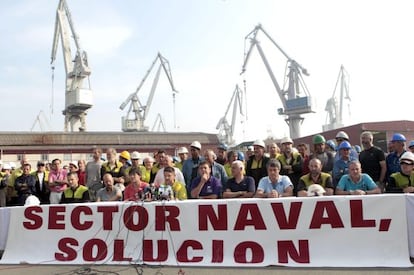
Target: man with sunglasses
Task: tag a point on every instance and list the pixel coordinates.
(393, 159)
(340, 137)
(403, 182)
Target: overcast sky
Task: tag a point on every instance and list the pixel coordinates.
(204, 42)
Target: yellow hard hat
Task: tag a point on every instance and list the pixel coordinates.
(125, 155)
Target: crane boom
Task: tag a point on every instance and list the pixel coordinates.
(226, 130)
(78, 99)
(139, 109)
(294, 103)
(334, 117)
(158, 124)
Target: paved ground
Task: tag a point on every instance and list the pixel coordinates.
(123, 270)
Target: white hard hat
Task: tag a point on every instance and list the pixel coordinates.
(135, 155)
(407, 156)
(31, 200)
(6, 166)
(74, 163)
(250, 148)
(259, 142)
(315, 190)
(182, 150)
(196, 144)
(342, 134)
(286, 140)
(12, 165)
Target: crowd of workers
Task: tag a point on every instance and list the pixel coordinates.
(331, 168)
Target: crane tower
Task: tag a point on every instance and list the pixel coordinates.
(295, 97)
(78, 99)
(226, 130)
(335, 113)
(140, 111)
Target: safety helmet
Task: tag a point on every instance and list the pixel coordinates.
(196, 145)
(135, 155)
(286, 140)
(344, 145)
(240, 156)
(6, 166)
(357, 148)
(331, 144)
(315, 190)
(259, 142)
(250, 148)
(182, 150)
(222, 146)
(318, 139)
(411, 144)
(343, 135)
(398, 137)
(407, 156)
(12, 165)
(125, 155)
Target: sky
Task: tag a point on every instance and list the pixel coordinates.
(204, 42)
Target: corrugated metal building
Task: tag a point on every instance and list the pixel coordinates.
(74, 146)
(382, 132)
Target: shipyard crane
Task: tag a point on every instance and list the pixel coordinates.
(334, 117)
(42, 121)
(140, 111)
(78, 99)
(226, 130)
(295, 103)
(158, 124)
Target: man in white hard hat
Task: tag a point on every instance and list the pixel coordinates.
(403, 182)
(340, 137)
(190, 165)
(183, 154)
(256, 164)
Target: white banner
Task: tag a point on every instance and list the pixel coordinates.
(410, 222)
(337, 231)
(4, 226)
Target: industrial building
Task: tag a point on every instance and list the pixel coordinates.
(382, 132)
(70, 146)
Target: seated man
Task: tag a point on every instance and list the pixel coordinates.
(110, 192)
(356, 182)
(205, 186)
(179, 190)
(239, 186)
(136, 190)
(76, 192)
(315, 176)
(403, 182)
(25, 184)
(274, 185)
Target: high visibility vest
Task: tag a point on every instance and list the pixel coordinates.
(307, 179)
(403, 181)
